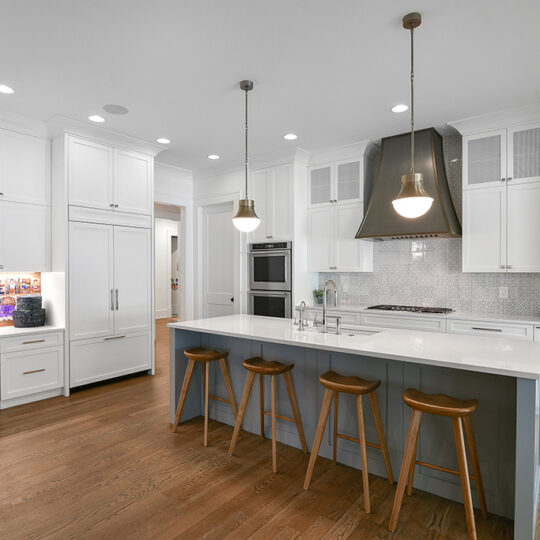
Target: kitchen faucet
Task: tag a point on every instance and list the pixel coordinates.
(325, 288)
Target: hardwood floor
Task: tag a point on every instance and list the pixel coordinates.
(103, 463)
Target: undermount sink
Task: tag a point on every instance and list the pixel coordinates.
(351, 332)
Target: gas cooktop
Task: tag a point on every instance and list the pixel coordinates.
(413, 309)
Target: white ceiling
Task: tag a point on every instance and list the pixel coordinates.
(326, 70)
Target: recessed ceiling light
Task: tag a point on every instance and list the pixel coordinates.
(163, 140)
(290, 137)
(400, 108)
(213, 156)
(115, 109)
(96, 118)
(5, 89)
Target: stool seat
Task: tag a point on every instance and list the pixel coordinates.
(200, 354)
(348, 385)
(439, 404)
(266, 367)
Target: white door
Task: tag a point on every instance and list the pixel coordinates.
(524, 154)
(219, 253)
(321, 239)
(91, 289)
(484, 159)
(351, 255)
(132, 279)
(348, 181)
(260, 184)
(523, 226)
(484, 230)
(24, 168)
(320, 185)
(281, 199)
(132, 182)
(90, 171)
(25, 237)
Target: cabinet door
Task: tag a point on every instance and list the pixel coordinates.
(91, 299)
(260, 187)
(25, 168)
(484, 230)
(132, 279)
(25, 237)
(133, 182)
(320, 185)
(348, 180)
(484, 159)
(524, 154)
(351, 255)
(320, 239)
(90, 171)
(281, 201)
(523, 226)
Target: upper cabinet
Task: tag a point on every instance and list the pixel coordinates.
(524, 154)
(335, 183)
(271, 189)
(484, 159)
(104, 177)
(24, 168)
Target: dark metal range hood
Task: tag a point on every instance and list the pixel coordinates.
(381, 221)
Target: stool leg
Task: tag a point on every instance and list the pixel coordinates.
(335, 434)
(469, 433)
(228, 385)
(294, 406)
(380, 433)
(323, 417)
(464, 473)
(206, 382)
(273, 400)
(261, 403)
(243, 404)
(183, 393)
(363, 452)
(405, 467)
(411, 470)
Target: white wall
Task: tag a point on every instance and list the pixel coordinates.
(163, 230)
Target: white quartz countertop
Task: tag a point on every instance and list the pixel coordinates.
(473, 353)
(6, 331)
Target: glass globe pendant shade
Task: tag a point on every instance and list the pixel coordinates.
(412, 201)
(246, 220)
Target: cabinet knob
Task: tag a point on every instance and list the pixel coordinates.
(502, 266)
(1, 194)
(509, 266)
(111, 205)
(509, 178)
(116, 206)
(503, 179)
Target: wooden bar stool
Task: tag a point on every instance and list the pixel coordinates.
(335, 384)
(264, 367)
(459, 410)
(202, 355)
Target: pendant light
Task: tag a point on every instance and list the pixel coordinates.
(246, 220)
(412, 201)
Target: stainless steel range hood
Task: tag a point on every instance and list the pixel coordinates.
(381, 221)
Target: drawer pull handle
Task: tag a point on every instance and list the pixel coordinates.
(487, 329)
(33, 371)
(114, 337)
(33, 341)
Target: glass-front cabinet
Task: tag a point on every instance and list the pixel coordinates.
(335, 183)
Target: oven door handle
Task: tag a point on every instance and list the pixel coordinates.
(268, 253)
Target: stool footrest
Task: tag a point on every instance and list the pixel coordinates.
(442, 469)
(286, 418)
(217, 398)
(352, 439)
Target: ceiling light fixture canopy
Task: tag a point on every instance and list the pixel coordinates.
(412, 201)
(246, 220)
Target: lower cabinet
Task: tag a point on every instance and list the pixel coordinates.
(97, 359)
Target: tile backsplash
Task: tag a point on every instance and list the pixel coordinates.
(428, 272)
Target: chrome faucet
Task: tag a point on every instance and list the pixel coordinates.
(325, 288)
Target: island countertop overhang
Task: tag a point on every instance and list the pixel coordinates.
(471, 353)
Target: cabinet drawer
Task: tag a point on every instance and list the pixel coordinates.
(491, 329)
(31, 341)
(427, 324)
(31, 372)
(98, 359)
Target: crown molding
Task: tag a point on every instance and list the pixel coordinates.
(347, 151)
(167, 168)
(498, 119)
(61, 125)
(23, 124)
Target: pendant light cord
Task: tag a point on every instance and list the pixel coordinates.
(412, 100)
(246, 160)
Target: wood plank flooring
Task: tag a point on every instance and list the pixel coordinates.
(104, 464)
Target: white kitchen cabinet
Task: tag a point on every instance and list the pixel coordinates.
(25, 237)
(24, 168)
(107, 178)
(405, 322)
(484, 159)
(491, 329)
(271, 189)
(109, 280)
(339, 182)
(524, 154)
(332, 246)
(484, 230)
